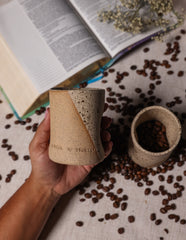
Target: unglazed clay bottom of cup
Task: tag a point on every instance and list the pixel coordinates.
(173, 132)
(75, 118)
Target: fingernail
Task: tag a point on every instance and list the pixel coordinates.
(46, 113)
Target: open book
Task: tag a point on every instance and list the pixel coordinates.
(49, 43)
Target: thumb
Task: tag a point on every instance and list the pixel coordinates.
(41, 139)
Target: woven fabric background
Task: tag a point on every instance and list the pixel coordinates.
(61, 224)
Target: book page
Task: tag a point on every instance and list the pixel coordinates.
(47, 39)
(113, 40)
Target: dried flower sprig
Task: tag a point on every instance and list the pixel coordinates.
(136, 16)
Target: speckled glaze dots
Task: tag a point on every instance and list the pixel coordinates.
(75, 118)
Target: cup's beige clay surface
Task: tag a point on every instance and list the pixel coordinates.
(173, 131)
(75, 118)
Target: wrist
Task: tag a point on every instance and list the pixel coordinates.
(42, 189)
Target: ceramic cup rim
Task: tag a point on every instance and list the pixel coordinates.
(133, 128)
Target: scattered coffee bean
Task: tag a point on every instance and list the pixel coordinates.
(13, 172)
(10, 115)
(114, 216)
(79, 223)
(104, 81)
(161, 178)
(166, 230)
(180, 73)
(92, 213)
(121, 230)
(131, 219)
(107, 216)
(179, 178)
(133, 67)
(153, 216)
(100, 219)
(123, 206)
(146, 49)
(147, 191)
(120, 190)
(158, 221)
(183, 221)
(26, 157)
(7, 126)
(155, 192)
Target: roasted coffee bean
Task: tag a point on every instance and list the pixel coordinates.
(104, 81)
(180, 163)
(166, 230)
(8, 179)
(171, 216)
(183, 221)
(92, 213)
(138, 90)
(149, 183)
(161, 178)
(5, 140)
(26, 157)
(10, 115)
(146, 49)
(131, 219)
(88, 195)
(94, 192)
(147, 191)
(170, 72)
(79, 223)
(0, 177)
(121, 230)
(94, 200)
(22, 122)
(133, 67)
(28, 127)
(125, 197)
(158, 221)
(116, 204)
(82, 199)
(123, 206)
(120, 190)
(140, 184)
(179, 178)
(153, 216)
(183, 31)
(122, 87)
(177, 218)
(180, 73)
(14, 157)
(165, 201)
(152, 136)
(7, 126)
(107, 216)
(100, 219)
(173, 206)
(28, 120)
(111, 70)
(13, 172)
(155, 192)
(163, 210)
(114, 216)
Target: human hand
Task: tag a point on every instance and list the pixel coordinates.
(59, 178)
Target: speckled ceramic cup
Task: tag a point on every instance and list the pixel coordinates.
(173, 132)
(75, 119)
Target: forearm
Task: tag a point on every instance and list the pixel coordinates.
(26, 212)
